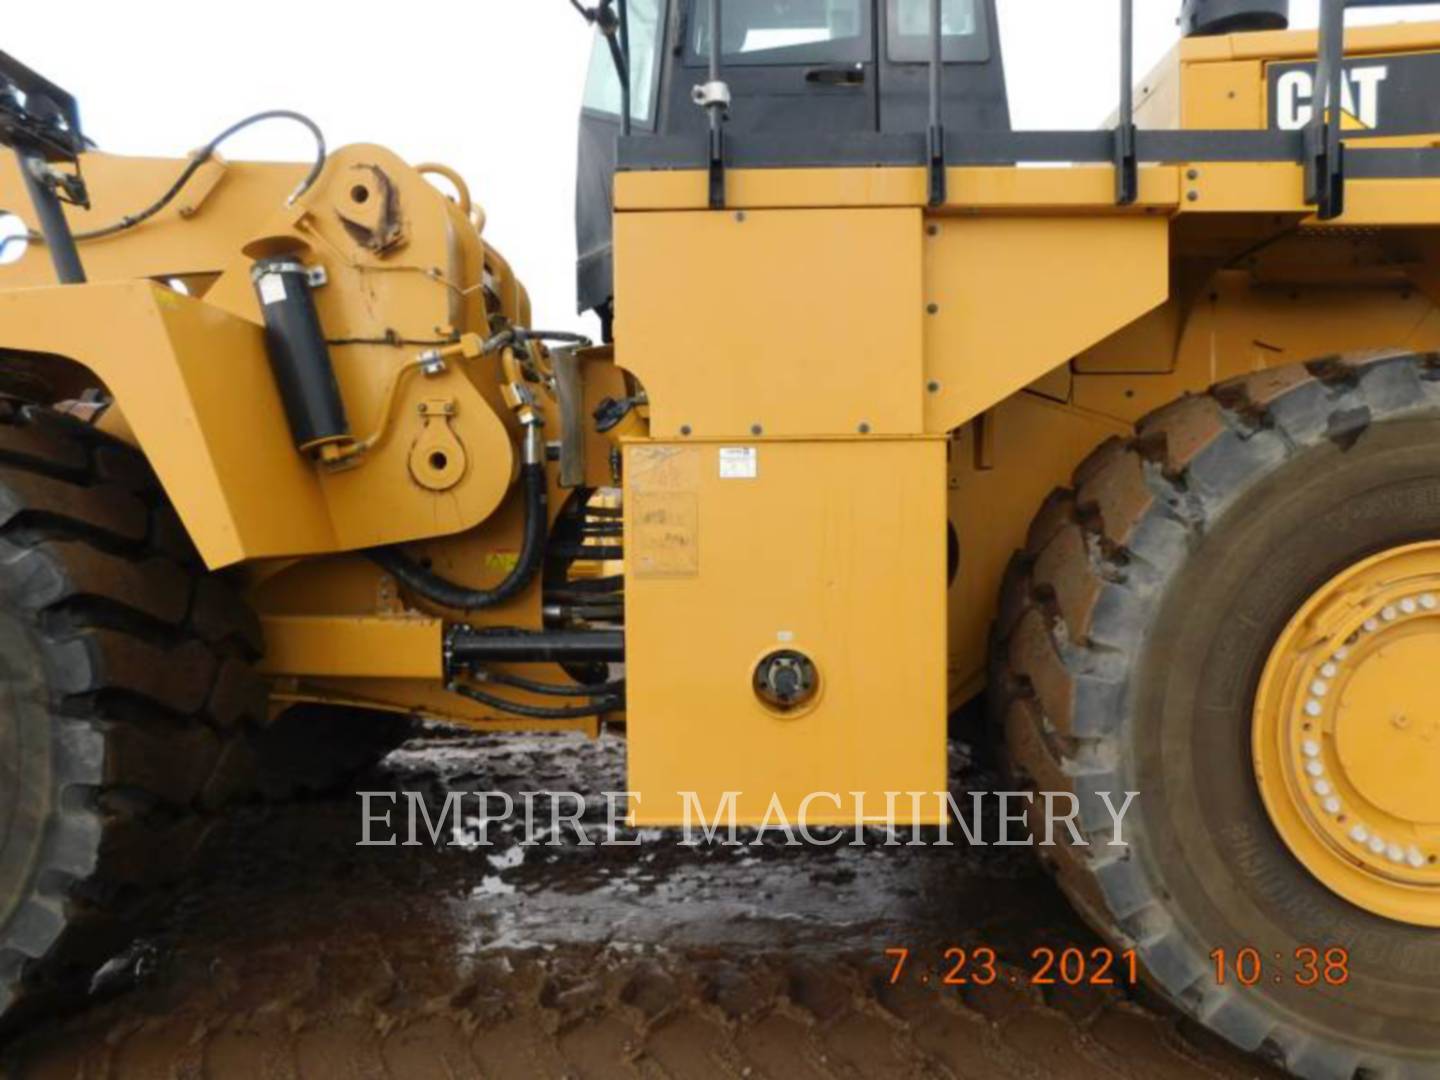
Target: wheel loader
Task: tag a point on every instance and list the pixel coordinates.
(1130, 434)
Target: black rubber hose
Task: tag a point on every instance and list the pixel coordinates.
(537, 712)
(610, 689)
(446, 593)
(203, 155)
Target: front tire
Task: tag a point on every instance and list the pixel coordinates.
(1132, 635)
(126, 693)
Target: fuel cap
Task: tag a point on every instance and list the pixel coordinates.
(786, 678)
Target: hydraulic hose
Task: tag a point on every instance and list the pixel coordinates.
(204, 154)
(537, 712)
(534, 686)
(447, 593)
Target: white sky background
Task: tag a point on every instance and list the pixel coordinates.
(491, 87)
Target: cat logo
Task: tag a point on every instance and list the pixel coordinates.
(1392, 95)
(1359, 99)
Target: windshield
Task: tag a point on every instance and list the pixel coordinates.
(785, 31)
(602, 84)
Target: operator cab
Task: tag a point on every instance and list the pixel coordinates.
(822, 76)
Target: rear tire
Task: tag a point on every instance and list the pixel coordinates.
(1131, 636)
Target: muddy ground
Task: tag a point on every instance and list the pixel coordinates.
(298, 954)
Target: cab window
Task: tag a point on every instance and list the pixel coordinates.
(602, 84)
(962, 27)
(784, 32)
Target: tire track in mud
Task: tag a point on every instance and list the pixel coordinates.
(297, 954)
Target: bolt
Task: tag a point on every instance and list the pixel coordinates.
(756, 429)
(684, 429)
(740, 216)
(933, 386)
(1193, 174)
(932, 309)
(1193, 196)
(864, 428)
(932, 230)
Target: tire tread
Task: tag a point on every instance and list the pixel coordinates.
(1073, 611)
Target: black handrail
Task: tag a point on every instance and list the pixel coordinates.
(41, 124)
(716, 116)
(1319, 147)
(1324, 150)
(935, 136)
(1127, 164)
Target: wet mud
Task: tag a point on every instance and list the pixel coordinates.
(297, 953)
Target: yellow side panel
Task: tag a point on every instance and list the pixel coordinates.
(689, 189)
(833, 548)
(795, 322)
(1224, 96)
(1011, 298)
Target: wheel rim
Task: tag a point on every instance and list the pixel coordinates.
(1347, 734)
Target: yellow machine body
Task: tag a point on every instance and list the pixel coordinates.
(169, 326)
(888, 366)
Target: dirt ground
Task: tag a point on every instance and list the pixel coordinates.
(298, 954)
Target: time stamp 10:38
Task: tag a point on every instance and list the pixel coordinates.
(980, 966)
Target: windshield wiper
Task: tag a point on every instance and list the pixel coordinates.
(616, 28)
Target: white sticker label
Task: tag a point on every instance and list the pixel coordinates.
(272, 289)
(738, 463)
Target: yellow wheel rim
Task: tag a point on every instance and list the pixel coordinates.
(1347, 734)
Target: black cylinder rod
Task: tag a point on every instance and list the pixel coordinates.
(935, 129)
